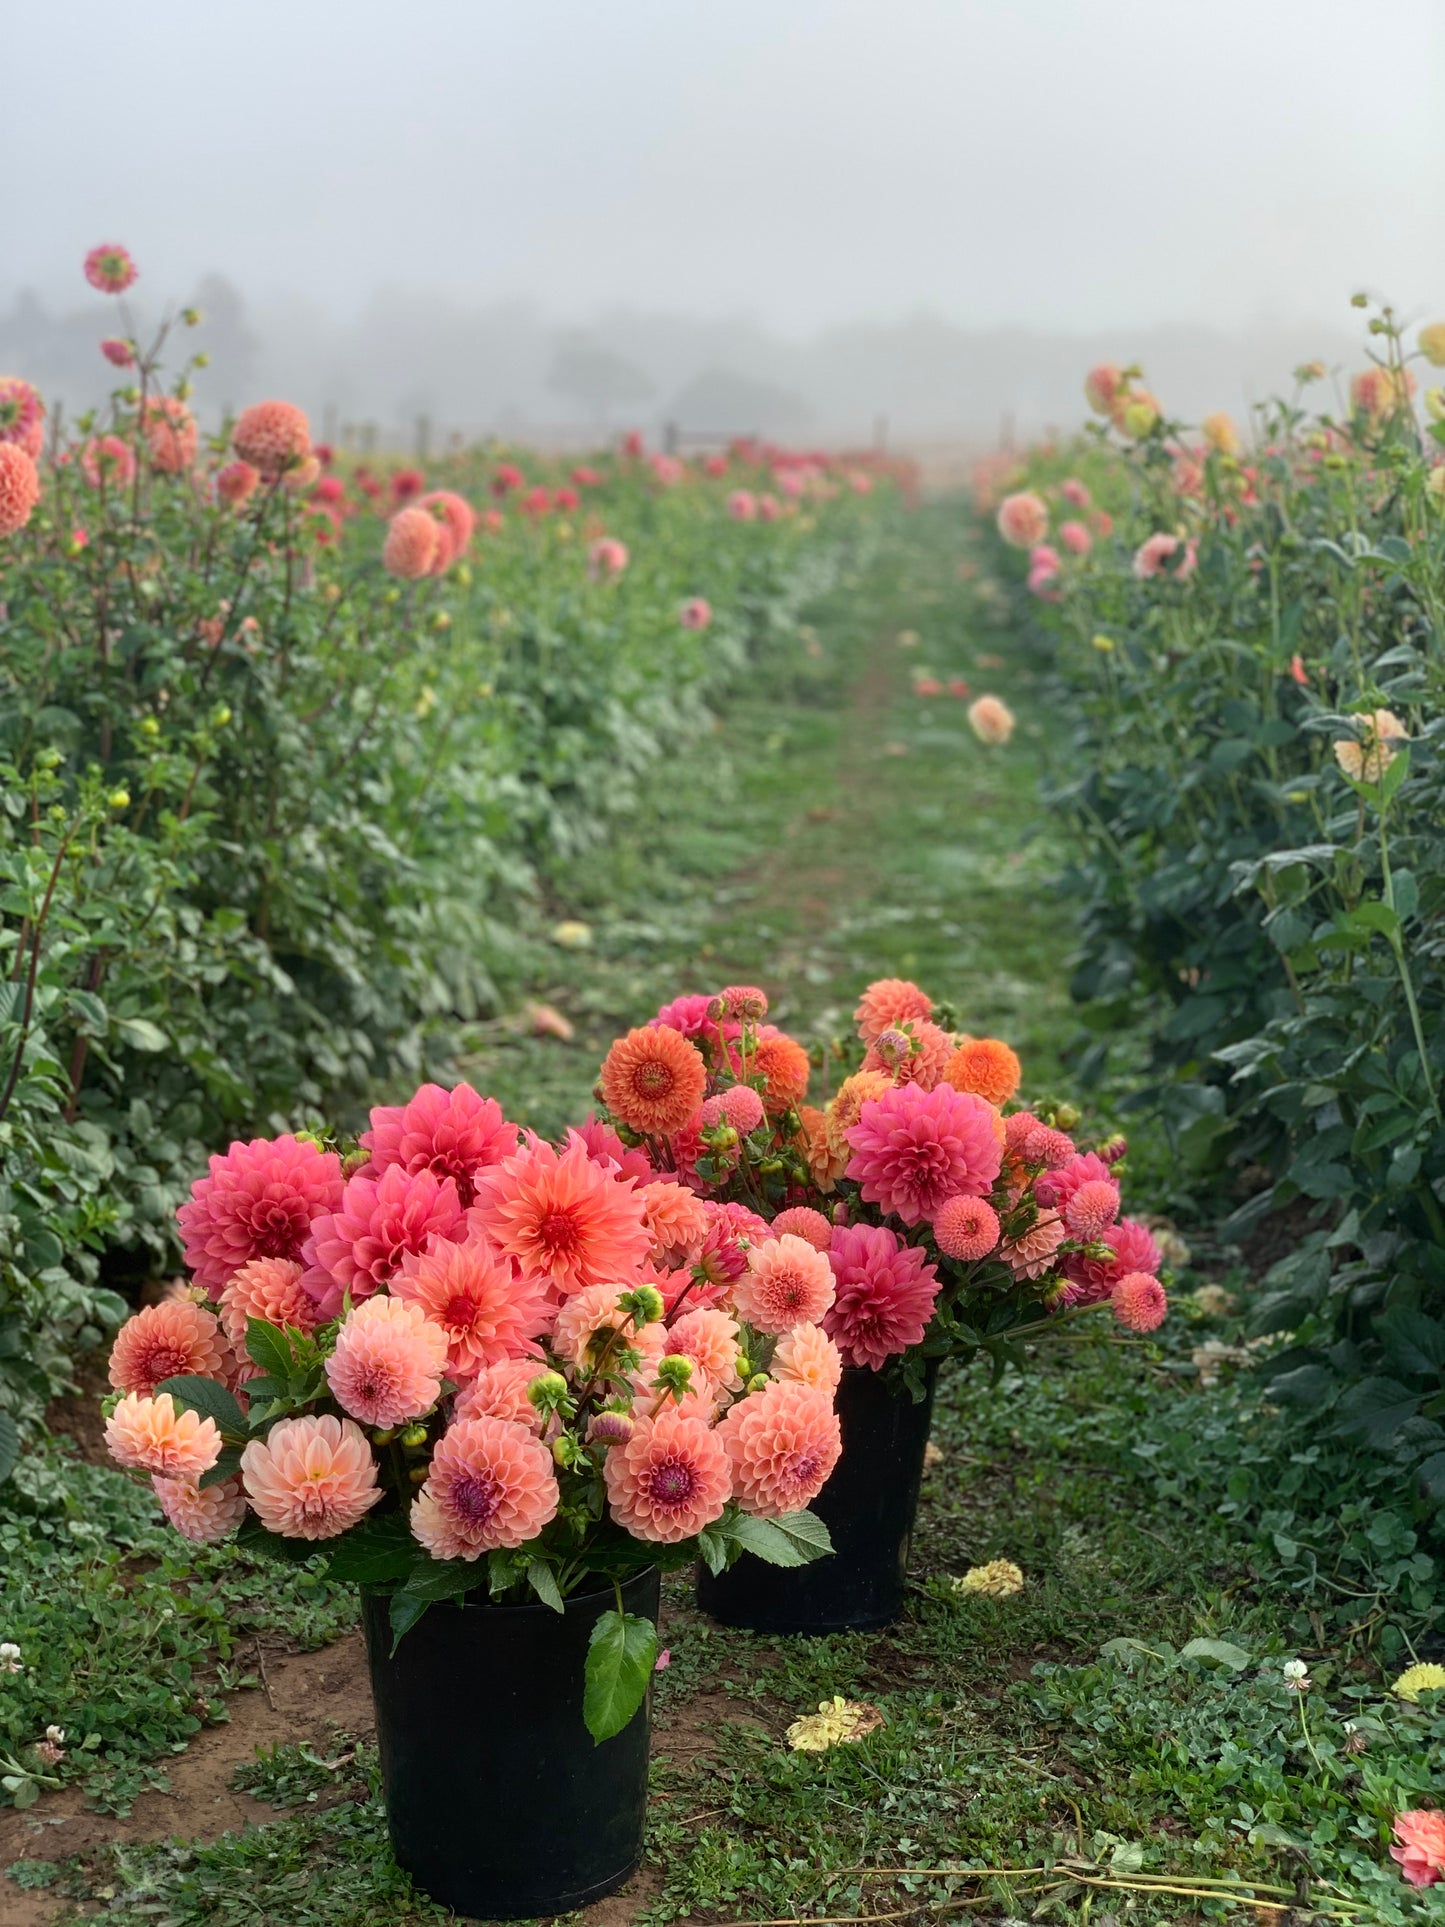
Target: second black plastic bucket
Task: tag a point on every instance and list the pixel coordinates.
(498, 1803)
(868, 1507)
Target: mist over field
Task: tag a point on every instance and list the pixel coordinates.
(826, 220)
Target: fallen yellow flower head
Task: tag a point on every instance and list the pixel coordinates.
(999, 1579)
(837, 1722)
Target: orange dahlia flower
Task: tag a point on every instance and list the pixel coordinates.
(890, 1001)
(986, 1067)
(842, 1114)
(170, 1340)
(653, 1080)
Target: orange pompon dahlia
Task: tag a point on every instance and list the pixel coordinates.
(986, 1067)
(149, 1435)
(653, 1080)
(273, 436)
(889, 1001)
(844, 1111)
(268, 1288)
(783, 1065)
(204, 1515)
(562, 1217)
(170, 1340)
(670, 1478)
(19, 488)
(676, 1222)
(783, 1443)
(410, 548)
(806, 1355)
(470, 1293)
(310, 1478)
(787, 1280)
(491, 1485)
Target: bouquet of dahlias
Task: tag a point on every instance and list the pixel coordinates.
(945, 1222)
(458, 1343)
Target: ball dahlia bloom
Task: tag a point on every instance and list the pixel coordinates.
(146, 1434)
(1076, 538)
(708, 1337)
(912, 1150)
(269, 1289)
(847, 1107)
(783, 1444)
(587, 1315)
(170, 1340)
(491, 1484)
(889, 1003)
(273, 436)
(676, 1222)
(360, 1245)
(109, 268)
(204, 1515)
(985, 1066)
(782, 1063)
(1057, 1186)
(806, 1355)
(1139, 1302)
(695, 613)
(918, 1053)
(1366, 760)
(885, 1294)
(170, 432)
(22, 416)
(787, 1280)
(257, 1201)
(310, 1478)
(413, 537)
(108, 462)
(1419, 1851)
(473, 1297)
(237, 483)
(500, 1391)
(652, 1080)
(1102, 387)
(454, 1134)
(1023, 519)
(670, 1478)
(739, 1105)
(456, 516)
(1092, 1209)
(387, 1365)
(19, 488)
(802, 1221)
(563, 1218)
(966, 1229)
(991, 720)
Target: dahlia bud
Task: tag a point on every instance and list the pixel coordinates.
(674, 1372)
(462, 575)
(200, 361)
(119, 799)
(1066, 1116)
(354, 1161)
(418, 1474)
(609, 1428)
(414, 1435)
(220, 715)
(644, 1306)
(191, 317)
(566, 1451)
(441, 620)
(149, 726)
(745, 1367)
(1113, 1148)
(759, 1382)
(547, 1391)
(383, 1435)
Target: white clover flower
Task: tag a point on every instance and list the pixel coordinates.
(10, 1657)
(1295, 1669)
(55, 1735)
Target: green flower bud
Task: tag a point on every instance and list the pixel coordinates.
(758, 1382)
(675, 1372)
(644, 1306)
(414, 1435)
(149, 726)
(119, 799)
(547, 1390)
(383, 1435)
(191, 317)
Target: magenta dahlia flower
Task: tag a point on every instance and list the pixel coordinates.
(109, 268)
(885, 1293)
(258, 1201)
(913, 1150)
(378, 1222)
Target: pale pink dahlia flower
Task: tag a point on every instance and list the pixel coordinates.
(146, 1434)
(1157, 556)
(491, 1485)
(710, 1338)
(454, 1134)
(360, 1245)
(913, 1150)
(991, 720)
(584, 1315)
(606, 558)
(473, 1296)
(783, 1444)
(1023, 520)
(808, 1356)
(886, 1292)
(387, 1366)
(204, 1515)
(258, 1201)
(786, 1280)
(669, 1479)
(310, 1478)
(172, 1339)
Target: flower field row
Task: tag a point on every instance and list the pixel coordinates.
(1252, 640)
(283, 739)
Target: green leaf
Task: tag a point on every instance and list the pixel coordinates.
(543, 1582)
(9, 1446)
(796, 1540)
(270, 1349)
(376, 1552)
(444, 1579)
(620, 1658)
(406, 1609)
(226, 1467)
(209, 1397)
(713, 1547)
(141, 1034)
(1220, 1651)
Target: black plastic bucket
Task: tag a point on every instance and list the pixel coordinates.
(498, 1802)
(868, 1506)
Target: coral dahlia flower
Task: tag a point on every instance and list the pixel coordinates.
(669, 1479)
(1023, 520)
(606, 558)
(1032, 1253)
(913, 1150)
(802, 1221)
(916, 1054)
(783, 1065)
(808, 1356)
(146, 1434)
(885, 1294)
(991, 720)
(107, 461)
(1139, 1302)
(258, 1201)
(652, 1080)
(237, 483)
(361, 1245)
(787, 1280)
(500, 1391)
(1420, 1849)
(966, 1229)
(170, 1340)
(206, 1515)
(584, 1316)
(413, 537)
(986, 1067)
(605, 1147)
(269, 1289)
(456, 515)
(109, 268)
(470, 1294)
(1092, 1208)
(889, 1003)
(454, 1134)
(22, 416)
(171, 435)
(19, 488)
(708, 1337)
(310, 1478)
(491, 1485)
(388, 1362)
(676, 1222)
(273, 436)
(695, 613)
(563, 1218)
(783, 1444)
(739, 1105)
(847, 1107)
(1366, 760)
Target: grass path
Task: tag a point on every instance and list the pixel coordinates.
(834, 829)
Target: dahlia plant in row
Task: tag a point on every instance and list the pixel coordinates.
(461, 1357)
(1257, 650)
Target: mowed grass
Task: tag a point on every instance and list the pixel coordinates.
(1075, 1739)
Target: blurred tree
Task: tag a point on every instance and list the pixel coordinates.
(597, 378)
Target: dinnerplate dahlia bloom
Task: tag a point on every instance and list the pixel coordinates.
(913, 1150)
(885, 1292)
(563, 1218)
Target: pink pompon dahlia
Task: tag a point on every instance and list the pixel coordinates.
(1420, 1845)
(22, 416)
(171, 435)
(802, 1221)
(491, 1485)
(456, 515)
(606, 558)
(273, 436)
(652, 1080)
(1092, 1208)
(890, 1002)
(808, 1356)
(258, 1201)
(170, 1340)
(966, 1229)
(740, 1001)
(710, 1338)
(146, 1434)
(676, 1222)
(886, 1292)
(454, 1134)
(473, 1296)
(1033, 1251)
(412, 539)
(1053, 1149)
(563, 1218)
(107, 462)
(695, 613)
(1023, 519)
(603, 1146)
(360, 1245)
(1091, 1279)
(204, 1515)
(786, 1280)
(500, 1391)
(739, 1105)
(1055, 1187)
(913, 1150)
(109, 268)
(310, 1478)
(669, 1479)
(269, 1289)
(1138, 1302)
(19, 488)
(237, 483)
(388, 1362)
(783, 1444)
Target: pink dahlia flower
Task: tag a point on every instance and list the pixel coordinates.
(1420, 1849)
(491, 1485)
(109, 268)
(885, 1294)
(206, 1515)
(237, 483)
(22, 416)
(695, 613)
(586, 1314)
(742, 505)
(563, 1218)
(453, 1134)
(1076, 538)
(783, 1444)
(456, 515)
(1057, 1186)
(1091, 1279)
(172, 1339)
(913, 1150)
(146, 1434)
(692, 1015)
(732, 1230)
(606, 558)
(787, 1280)
(118, 352)
(1157, 556)
(710, 1339)
(269, 1289)
(310, 1478)
(1023, 519)
(1138, 1302)
(388, 1362)
(1053, 1149)
(676, 1222)
(413, 537)
(19, 488)
(361, 1244)
(1092, 1208)
(1075, 493)
(273, 436)
(471, 1295)
(802, 1221)
(171, 435)
(918, 1053)
(500, 1391)
(669, 1479)
(966, 1229)
(1032, 1252)
(258, 1201)
(604, 1147)
(808, 1356)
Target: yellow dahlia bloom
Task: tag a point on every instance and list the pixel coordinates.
(837, 1722)
(999, 1579)
(1416, 1680)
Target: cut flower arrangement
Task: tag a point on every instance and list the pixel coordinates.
(462, 1358)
